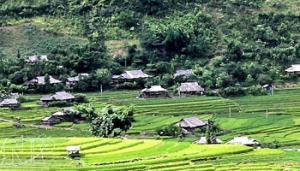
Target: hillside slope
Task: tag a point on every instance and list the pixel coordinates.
(254, 41)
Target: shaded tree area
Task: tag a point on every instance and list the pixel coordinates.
(108, 121)
(231, 45)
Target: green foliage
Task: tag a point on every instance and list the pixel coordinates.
(256, 43)
(81, 98)
(110, 120)
(59, 104)
(169, 130)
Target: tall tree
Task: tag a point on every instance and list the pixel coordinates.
(110, 120)
(210, 131)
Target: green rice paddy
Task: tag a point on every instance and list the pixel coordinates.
(265, 118)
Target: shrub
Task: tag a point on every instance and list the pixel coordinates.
(169, 130)
(128, 86)
(59, 104)
(80, 98)
(256, 90)
(22, 99)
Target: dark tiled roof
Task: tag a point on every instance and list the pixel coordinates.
(190, 87)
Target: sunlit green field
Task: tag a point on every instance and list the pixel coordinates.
(116, 154)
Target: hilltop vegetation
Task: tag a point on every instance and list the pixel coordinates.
(228, 44)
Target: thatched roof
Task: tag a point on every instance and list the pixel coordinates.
(49, 118)
(293, 68)
(9, 102)
(37, 58)
(243, 140)
(133, 74)
(41, 80)
(61, 95)
(76, 78)
(183, 72)
(190, 87)
(154, 88)
(191, 122)
(202, 140)
(60, 113)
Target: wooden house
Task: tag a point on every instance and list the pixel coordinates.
(72, 81)
(293, 69)
(9, 103)
(191, 123)
(32, 84)
(190, 88)
(67, 114)
(129, 76)
(50, 120)
(154, 91)
(183, 73)
(58, 96)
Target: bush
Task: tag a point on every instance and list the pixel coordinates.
(59, 104)
(169, 130)
(233, 91)
(80, 98)
(256, 90)
(22, 99)
(129, 86)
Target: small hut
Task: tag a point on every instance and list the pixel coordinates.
(50, 120)
(190, 88)
(154, 91)
(129, 76)
(293, 69)
(191, 123)
(244, 140)
(9, 103)
(67, 115)
(72, 81)
(32, 84)
(73, 151)
(58, 96)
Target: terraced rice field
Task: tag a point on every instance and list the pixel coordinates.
(266, 118)
(247, 114)
(116, 154)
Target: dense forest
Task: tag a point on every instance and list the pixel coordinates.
(232, 45)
